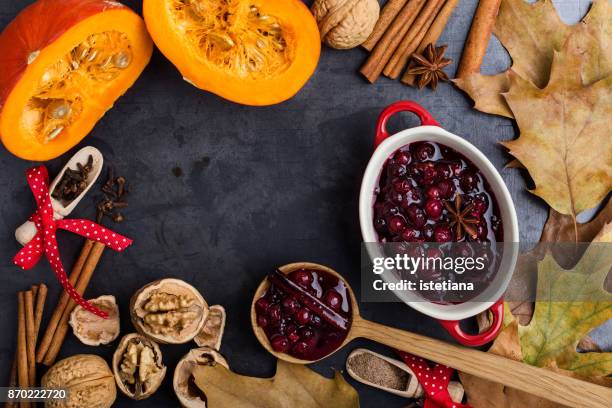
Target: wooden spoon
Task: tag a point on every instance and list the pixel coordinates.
(533, 380)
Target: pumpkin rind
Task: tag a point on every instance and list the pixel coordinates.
(291, 16)
(42, 34)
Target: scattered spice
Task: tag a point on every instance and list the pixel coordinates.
(379, 371)
(73, 182)
(115, 190)
(460, 221)
(177, 171)
(429, 66)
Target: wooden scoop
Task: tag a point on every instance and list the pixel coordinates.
(533, 380)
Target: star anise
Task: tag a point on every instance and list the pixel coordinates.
(428, 66)
(459, 218)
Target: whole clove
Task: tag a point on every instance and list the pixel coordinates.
(73, 182)
(114, 190)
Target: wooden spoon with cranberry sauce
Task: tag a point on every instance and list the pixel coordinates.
(304, 312)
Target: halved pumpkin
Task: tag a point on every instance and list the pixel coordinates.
(63, 63)
(253, 52)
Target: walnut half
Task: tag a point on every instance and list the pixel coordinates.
(138, 367)
(94, 330)
(168, 311)
(188, 393)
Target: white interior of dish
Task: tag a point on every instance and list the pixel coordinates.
(506, 207)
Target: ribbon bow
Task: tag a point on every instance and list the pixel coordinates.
(433, 380)
(45, 242)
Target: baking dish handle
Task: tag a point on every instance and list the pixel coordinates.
(452, 327)
(401, 106)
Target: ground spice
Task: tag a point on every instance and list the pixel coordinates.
(378, 371)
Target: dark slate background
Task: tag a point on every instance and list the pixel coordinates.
(223, 193)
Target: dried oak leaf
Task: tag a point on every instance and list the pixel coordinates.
(531, 33)
(551, 339)
(564, 142)
(293, 385)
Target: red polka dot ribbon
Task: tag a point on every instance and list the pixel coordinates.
(434, 380)
(45, 241)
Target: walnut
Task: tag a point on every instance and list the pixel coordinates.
(214, 326)
(93, 330)
(138, 367)
(168, 311)
(87, 378)
(345, 24)
(183, 382)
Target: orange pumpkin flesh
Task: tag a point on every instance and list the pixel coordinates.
(253, 52)
(62, 66)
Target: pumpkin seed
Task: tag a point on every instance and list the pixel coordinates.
(121, 60)
(55, 133)
(92, 56)
(222, 40)
(261, 43)
(58, 109)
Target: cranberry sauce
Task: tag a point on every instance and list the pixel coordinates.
(306, 314)
(422, 189)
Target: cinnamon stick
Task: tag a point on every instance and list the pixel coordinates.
(12, 382)
(478, 38)
(22, 355)
(385, 47)
(30, 337)
(62, 303)
(433, 35)
(62, 327)
(413, 38)
(388, 14)
(41, 297)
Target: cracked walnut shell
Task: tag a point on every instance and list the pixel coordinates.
(345, 24)
(168, 311)
(183, 382)
(94, 330)
(138, 367)
(214, 326)
(87, 378)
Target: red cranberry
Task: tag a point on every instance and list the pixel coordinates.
(290, 305)
(274, 312)
(425, 151)
(301, 348)
(429, 175)
(442, 233)
(333, 299)
(434, 252)
(402, 186)
(397, 170)
(302, 316)
(433, 208)
(481, 204)
(262, 305)
(444, 170)
(456, 167)
(481, 229)
(292, 334)
(380, 225)
(410, 234)
(262, 321)
(446, 188)
(468, 181)
(279, 343)
(433, 192)
(402, 158)
(396, 224)
(416, 215)
(302, 278)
